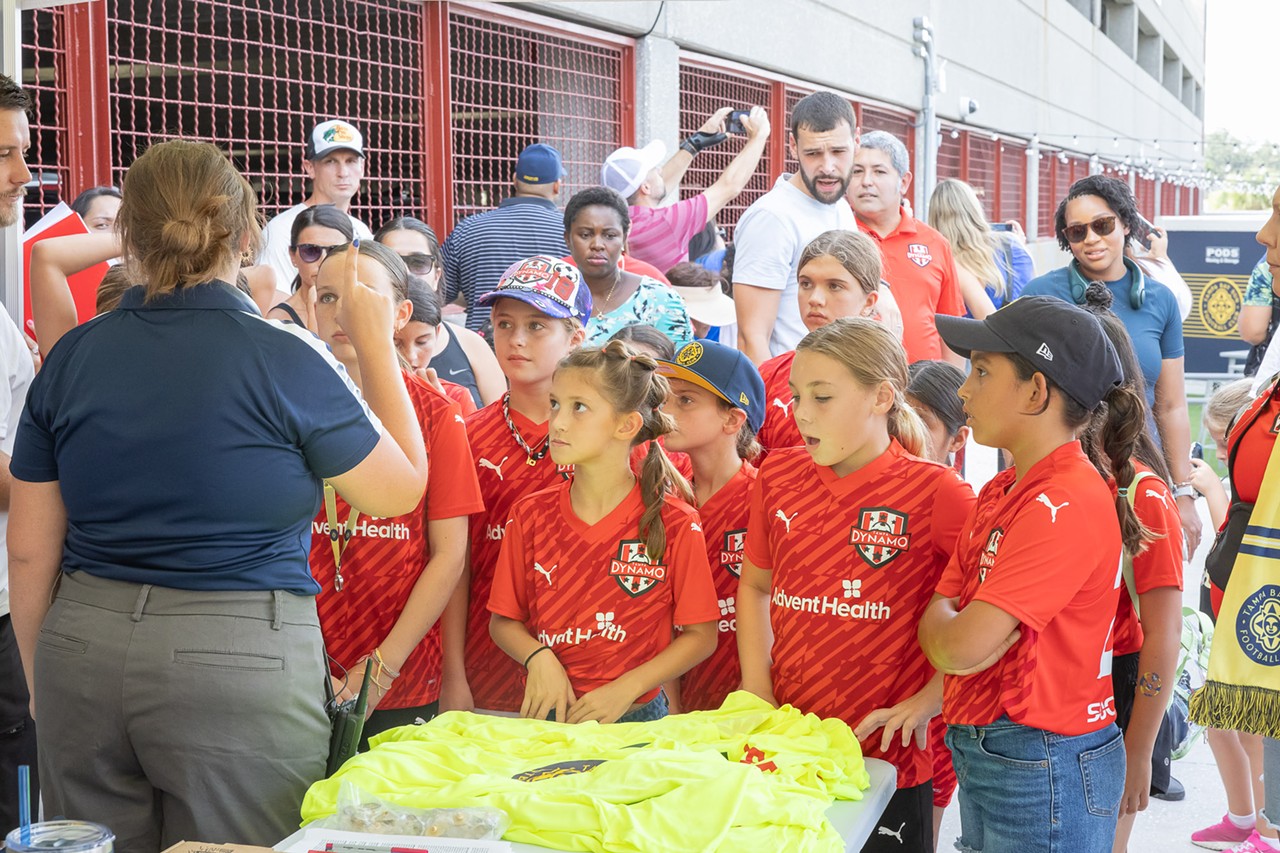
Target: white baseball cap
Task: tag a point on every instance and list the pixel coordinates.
(333, 135)
(625, 169)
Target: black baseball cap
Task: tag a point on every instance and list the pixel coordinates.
(1063, 341)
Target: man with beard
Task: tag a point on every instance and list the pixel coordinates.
(918, 263)
(774, 231)
(17, 730)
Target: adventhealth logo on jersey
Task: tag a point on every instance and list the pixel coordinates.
(880, 536)
(731, 551)
(369, 528)
(606, 627)
(838, 605)
(729, 621)
(632, 569)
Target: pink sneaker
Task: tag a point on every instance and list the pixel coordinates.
(1255, 843)
(1222, 835)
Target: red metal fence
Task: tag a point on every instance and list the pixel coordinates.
(44, 75)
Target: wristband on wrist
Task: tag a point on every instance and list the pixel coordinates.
(699, 140)
(689, 147)
(533, 653)
(1183, 490)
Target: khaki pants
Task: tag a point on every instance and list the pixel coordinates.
(168, 714)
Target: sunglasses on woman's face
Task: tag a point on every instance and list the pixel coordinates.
(1102, 226)
(419, 263)
(309, 253)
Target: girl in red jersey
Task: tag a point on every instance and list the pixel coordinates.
(1022, 622)
(717, 403)
(538, 312)
(1148, 629)
(839, 276)
(847, 538)
(384, 581)
(595, 574)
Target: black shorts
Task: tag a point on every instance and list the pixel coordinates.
(907, 823)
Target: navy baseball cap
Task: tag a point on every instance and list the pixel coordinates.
(1063, 341)
(723, 371)
(553, 286)
(539, 164)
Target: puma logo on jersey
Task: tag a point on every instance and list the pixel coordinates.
(1152, 493)
(884, 830)
(497, 469)
(459, 419)
(1053, 510)
(546, 573)
(781, 405)
(693, 526)
(785, 519)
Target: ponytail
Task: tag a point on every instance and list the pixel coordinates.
(629, 380)
(1118, 424)
(905, 425)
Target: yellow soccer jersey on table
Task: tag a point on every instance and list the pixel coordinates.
(744, 777)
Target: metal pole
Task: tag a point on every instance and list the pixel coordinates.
(928, 170)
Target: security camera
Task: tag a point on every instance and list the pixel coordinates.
(968, 106)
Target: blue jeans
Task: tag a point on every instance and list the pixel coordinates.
(1033, 791)
(654, 709)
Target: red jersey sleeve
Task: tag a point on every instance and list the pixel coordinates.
(951, 584)
(953, 504)
(510, 594)
(1027, 587)
(757, 546)
(949, 299)
(452, 488)
(695, 591)
(1160, 564)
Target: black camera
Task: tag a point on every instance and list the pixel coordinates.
(735, 122)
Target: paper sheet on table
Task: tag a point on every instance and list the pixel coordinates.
(315, 839)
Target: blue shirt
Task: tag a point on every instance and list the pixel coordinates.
(1016, 268)
(1155, 328)
(188, 436)
(482, 247)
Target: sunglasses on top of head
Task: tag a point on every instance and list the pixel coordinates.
(419, 263)
(309, 253)
(1102, 226)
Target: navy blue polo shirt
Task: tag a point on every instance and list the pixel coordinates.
(189, 437)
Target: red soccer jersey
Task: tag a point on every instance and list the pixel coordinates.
(386, 556)
(1046, 550)
(724, 524)
(460, 395)
(505, 477)
(921, 271)
(589, 591)
(855, 560)
(1160, 564)
(779, 429)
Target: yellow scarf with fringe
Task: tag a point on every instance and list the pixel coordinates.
(1242, 690)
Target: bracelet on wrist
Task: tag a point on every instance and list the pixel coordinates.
(533, 653)
(382, 664)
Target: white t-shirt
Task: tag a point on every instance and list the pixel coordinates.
(768, 242)
(15, 361)
(275, 244)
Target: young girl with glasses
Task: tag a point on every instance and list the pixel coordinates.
(595, 574)
(384, 581)
(458, 355)
(316, 232)
(848, 535)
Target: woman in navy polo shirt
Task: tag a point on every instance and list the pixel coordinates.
(167, 469)
(1095, 222)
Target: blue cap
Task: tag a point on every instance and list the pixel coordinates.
(723, 371)
(553, 286)
(539, 164)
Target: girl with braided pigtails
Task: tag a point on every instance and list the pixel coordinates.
(595, 573)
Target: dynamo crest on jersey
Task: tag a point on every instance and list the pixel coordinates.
(919, 254)
(880, 535)
(633, 570)
(731, 551)
(988, 559)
